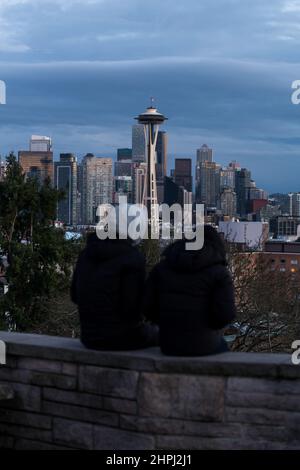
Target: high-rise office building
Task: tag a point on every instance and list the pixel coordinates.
(79, 194)
(122, 187)
(228, 202)
(139, 171)
(242, 186)
(234, 165)
(161, 155)
(138, 144)
(174, 194)
(40, 143)
(38, 163)
(209, 184)
(294, 204)
(97, 185)
(123, 180)
(124, 154)
(123, 168)
(183, 173)
(204, 155)
(227, 178)
(65, 179)
(257, 193)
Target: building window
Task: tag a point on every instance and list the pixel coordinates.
(282, 261)
(282, 270)
(294, 261)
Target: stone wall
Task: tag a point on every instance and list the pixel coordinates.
(66, 397)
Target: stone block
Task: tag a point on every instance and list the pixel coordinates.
(181, 396)
(6, 392)
(263, 400)
(26, 397)
(53, 380)
(120, 405)
(68, 368)
(80, 413)
(41, 365)
(28, 444)
(106, 381)
(73, 434)
(179, 427)
(25, 418)
(6, 442)
(289, 419)
(200, 443)
(24, 431)
(73, 398)
(117, 439)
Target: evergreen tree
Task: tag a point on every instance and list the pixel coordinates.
(40, 258)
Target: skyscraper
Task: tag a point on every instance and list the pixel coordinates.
(183, 173)
(123, 168)
(209, 184)
(227, 178)
(204, 154)
(139, 171)
(124, 154)
(138, 144)
(242, 185)
(228, 202)
(161, 155)
(38, 161)
(66, 179)
(122, 187)
(97, 185)
(294, 204)
(40, 143)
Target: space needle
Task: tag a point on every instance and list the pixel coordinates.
(151, 119)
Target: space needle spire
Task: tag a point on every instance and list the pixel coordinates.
(151, 119)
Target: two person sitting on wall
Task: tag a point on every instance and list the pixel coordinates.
(182, 307)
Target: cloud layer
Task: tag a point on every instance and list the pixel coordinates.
(220, 69)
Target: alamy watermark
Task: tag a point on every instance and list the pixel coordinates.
(133, 221)
(2, 353)
(2, 92)
(295, 97)
(296, 353)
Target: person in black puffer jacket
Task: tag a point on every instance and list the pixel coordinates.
(108, 286)
(190, 295)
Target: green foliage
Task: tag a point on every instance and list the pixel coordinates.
(40, 258)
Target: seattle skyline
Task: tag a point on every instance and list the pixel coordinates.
(222, 71)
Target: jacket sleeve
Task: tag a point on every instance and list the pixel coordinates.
(223, 305)
(151, 303)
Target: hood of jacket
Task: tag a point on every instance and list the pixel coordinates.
(103, 250)
(178, 258)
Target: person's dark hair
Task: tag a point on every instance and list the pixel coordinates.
(212, 238)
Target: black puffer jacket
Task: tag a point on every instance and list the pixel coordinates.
(190, 295)
(107, 286)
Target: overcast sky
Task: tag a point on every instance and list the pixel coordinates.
(221, 70)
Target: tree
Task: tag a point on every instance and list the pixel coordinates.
(40, 258)
(267, 303)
